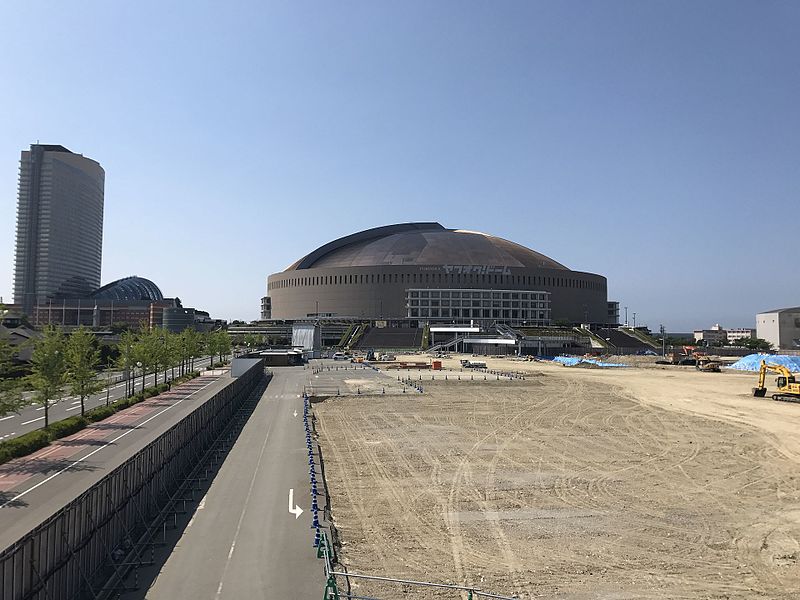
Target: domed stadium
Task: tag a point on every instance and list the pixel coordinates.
(428, 272)
(129, 289)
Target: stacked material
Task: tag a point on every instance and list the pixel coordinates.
(571, 361)
(752, 362)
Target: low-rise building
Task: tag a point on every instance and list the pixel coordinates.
(714, 336)
(736, 334)
(780, 327)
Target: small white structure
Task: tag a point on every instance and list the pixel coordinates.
(780, 327)
(308, 338)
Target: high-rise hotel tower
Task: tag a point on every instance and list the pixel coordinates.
(59, 243)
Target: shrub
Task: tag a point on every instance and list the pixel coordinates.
(23, 445)
(100, 413)
(162, 387)
(126, 402)
(66, 427)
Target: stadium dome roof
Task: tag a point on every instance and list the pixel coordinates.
(409, 244)
(129, 288)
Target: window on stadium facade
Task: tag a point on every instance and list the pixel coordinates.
(529, 307)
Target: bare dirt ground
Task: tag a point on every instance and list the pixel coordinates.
(571, 484)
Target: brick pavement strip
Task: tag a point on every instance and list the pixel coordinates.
(52, 457)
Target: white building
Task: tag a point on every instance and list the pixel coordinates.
(740, 333)
(715, 335)
(780, 327)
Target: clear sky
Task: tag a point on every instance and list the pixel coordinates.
(656, 143)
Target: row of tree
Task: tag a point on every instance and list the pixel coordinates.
(72, 363)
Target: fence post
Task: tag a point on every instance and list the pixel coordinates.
(330, 586)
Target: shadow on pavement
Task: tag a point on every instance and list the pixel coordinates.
(44, 466)
(8, 497)
(102, 425)
(167, 539)
(81, 442)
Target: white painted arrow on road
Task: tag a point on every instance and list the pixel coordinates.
(295, 412)
(293, 508)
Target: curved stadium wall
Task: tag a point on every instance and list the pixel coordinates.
(334, 281)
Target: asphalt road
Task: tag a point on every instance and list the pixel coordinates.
(242, 542)
(32, 417)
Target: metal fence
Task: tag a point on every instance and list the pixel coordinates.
(73, 552)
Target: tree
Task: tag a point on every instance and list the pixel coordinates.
(48, 369)
(756, 344)
(194, 345)
(82, 361)
(175, 350)
(223, 343)
(210, 342)
(127, 359)
(11, 399)
(162, 355)
(144, 352)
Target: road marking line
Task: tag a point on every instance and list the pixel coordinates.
(9, 417)
(32, 421)
(200, 507)
(93, 452)
(244, 509)
(73, 408)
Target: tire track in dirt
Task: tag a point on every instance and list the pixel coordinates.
(676, 505)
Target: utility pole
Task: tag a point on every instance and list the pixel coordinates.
(634, 320)
(663, 340)
(626, 316)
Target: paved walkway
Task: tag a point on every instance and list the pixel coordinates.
(36, 486)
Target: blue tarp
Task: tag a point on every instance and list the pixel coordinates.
(752, 362)
(571, 361)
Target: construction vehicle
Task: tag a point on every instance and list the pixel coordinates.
(788, 387)
(707, 364)
(473, 364)
(687, 357)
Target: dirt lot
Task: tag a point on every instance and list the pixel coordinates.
(574, 483)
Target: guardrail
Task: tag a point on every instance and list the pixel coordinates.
(331, 590)
(74, 551)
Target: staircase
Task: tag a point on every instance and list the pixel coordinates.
(447, 345)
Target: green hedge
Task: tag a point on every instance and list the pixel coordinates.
(23, 445)
(99, 413)
(66, 427)
(35, 440)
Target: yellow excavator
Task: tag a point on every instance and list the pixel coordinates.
(788, 388)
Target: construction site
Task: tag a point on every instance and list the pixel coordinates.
(531, 479)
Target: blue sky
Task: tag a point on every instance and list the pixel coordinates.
(654, 142)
